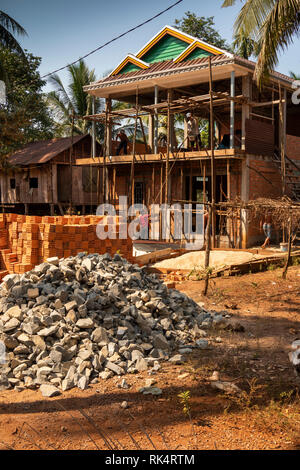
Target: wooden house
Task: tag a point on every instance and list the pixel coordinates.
(43, 177)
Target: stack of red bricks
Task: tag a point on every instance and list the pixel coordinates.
(26, 241)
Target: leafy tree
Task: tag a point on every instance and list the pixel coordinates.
(202, 28)
(271, 23)
(25, 117)
(73, 100)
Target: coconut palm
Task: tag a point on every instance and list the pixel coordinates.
(65, 103)
(8, 28)
(294, 76)
(244, 46)
(271, 23)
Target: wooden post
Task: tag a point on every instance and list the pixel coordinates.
(109, 128)
(204, 182)
(71, 165)
(284, 273)
(212, 149)
(133, 151)
(93, 130)
(181, 181)
(167, 196)
(282, 137)
(155, 120)
(232, 94)
(161, 199)
(144, 135)
(114, 185)
(104, 154)
(151, 132)
(207, 250)
(153, 184)
(191, 198)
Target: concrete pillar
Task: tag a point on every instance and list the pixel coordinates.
(247, 92)
(156, 120)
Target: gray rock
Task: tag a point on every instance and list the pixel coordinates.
(114, 368)
(160, 342)
(202, 344)
(150, 391)
(49, 390)
(177, 359)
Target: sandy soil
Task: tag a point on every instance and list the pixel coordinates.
(263, 418)
(218, 259)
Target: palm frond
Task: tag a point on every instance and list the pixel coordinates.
(56, 82)
(277, 33)
(8, 28)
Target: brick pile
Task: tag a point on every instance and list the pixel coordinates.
(26, 241)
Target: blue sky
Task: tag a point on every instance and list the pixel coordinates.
(60, 31)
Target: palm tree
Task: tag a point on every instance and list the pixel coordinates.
(8, 28)
(271, 23)
(244, 46)
(294, 76)
(65, 103)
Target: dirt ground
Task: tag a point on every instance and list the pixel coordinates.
(265, 416)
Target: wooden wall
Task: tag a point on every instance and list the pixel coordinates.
(22, 192)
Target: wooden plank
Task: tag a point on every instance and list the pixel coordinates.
(203, 155)
(155, 256)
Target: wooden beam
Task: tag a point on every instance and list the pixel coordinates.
(212, 147)
(149, 158)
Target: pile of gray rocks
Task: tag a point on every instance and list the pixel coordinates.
(73, 321)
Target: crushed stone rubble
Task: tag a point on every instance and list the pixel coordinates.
(74, 321)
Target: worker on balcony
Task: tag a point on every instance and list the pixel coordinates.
(123, 142)
(193, 133)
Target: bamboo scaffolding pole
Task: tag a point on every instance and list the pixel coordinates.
(212, 148)
(133, 153)
(168, 148)
(104, 159)
(281, 141)
(144, 135)
(71, 164)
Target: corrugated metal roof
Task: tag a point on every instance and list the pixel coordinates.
(170, 67)
(43, 151)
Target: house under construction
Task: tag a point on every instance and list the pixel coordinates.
(255, 133)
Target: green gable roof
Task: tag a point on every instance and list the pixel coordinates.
(167, 48)
(129, 68)
(197, 54)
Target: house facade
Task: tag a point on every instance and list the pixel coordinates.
(256, 132)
